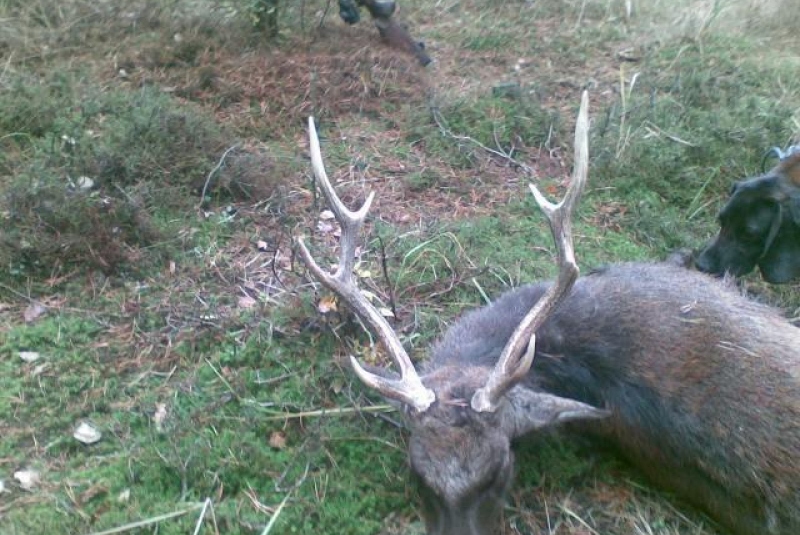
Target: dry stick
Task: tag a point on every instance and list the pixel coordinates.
(385, 268)
(329, 412)
(276, 514)
(214, 520)
(274, 265)
(437, 117)
(221, 378)
(577, 517)
(149, 521)
(652, 128)
(199, 524)
(212, 172)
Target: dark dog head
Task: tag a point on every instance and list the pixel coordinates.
(760, 226)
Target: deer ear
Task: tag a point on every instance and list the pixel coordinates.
(536, 410)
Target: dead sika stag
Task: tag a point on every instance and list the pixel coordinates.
(693, 383)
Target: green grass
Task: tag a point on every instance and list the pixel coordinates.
(186, 330)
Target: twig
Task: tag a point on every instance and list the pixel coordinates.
(296, 485)
(213, 172)
(443, 128)
(385, 269)
(655, 130)
(274, 517)
(149, 521)
(274, 263)
(581, 521)
(480, 291)
(199, 524)
(221, 378)
(329, 412)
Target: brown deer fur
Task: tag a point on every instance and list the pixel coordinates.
(702, 386)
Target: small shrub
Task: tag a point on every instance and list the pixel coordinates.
(497, 122)
(95, 166)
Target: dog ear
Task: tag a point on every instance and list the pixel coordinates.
(788, 173)
(790, 168)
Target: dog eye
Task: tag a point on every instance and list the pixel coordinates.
(758, 223)
(752, 232)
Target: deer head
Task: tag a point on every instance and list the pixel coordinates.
(463, 415)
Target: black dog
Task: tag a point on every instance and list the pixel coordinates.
(760, 227)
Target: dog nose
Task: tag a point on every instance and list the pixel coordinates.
(705, 261)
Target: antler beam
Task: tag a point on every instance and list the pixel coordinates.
(409, 388)
(517, 356)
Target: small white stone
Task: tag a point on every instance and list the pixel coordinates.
(29, 356)
(27, 479)
(87, 433)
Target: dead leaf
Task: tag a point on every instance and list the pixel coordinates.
(277, 440)
(33, 311)
(327, 304)
(27, 479)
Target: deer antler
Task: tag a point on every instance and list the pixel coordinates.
(513, 364)
(409, 388)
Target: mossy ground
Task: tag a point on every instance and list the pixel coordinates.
(164, 298)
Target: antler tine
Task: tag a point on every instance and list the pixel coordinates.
(409, 388)
(513, 364)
